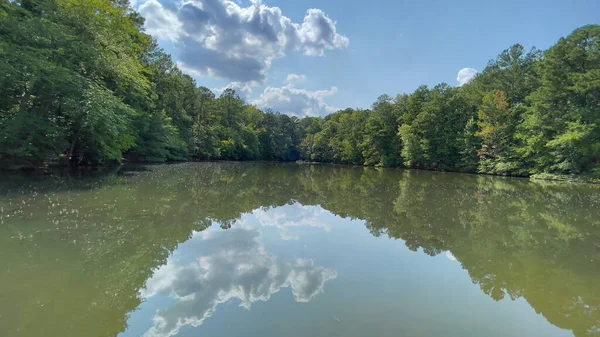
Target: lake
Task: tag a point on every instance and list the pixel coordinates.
(266, 249)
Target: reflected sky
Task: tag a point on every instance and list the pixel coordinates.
(287, 257)
(263, 249)
(217, 266)
(287, 217)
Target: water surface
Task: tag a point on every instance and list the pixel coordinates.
(249, 249)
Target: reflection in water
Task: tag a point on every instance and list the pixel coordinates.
(77, 253)
(289, 216)
(230, 265)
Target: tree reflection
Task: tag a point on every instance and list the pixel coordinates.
(84, 250)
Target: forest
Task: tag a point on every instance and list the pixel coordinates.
(83, 84)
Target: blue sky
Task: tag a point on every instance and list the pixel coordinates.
(347, 53)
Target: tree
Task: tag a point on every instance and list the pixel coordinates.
(561, 128)
(432, 140)
(497, 122)
(83, 84)
(380, 146)
(72, 69)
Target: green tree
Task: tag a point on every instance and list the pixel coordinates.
(381, 146)
(497, 123)
(561, 129)
(432, 140)
(71, 69)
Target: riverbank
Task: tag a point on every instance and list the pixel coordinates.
(113, 166)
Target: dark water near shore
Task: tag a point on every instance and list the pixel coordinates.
(257, 249)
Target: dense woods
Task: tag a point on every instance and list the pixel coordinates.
(83, 84)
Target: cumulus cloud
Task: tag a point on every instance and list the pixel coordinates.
(294, 78)
(160, 21)
(232, 264)
(220, 38)
(296, 102)
(287, 217)
(242, 89)
(465, 75)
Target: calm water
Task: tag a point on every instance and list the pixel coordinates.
(230, 249)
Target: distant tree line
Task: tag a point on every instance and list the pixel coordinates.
(83, 84)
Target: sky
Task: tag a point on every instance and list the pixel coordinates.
(313, 57)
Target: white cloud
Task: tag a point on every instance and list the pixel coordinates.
(318, 33)
(296, 102)
(242, 89)
(160, 22)
(465, 75)
(294, 78)
(232, 264)
(187, 70)
(220, 38)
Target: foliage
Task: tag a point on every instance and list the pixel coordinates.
(561, 129)
(83, 84)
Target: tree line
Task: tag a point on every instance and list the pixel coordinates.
(83, 84)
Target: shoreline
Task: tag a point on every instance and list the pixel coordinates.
(49, 168)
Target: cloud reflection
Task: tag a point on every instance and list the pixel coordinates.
(233, 264)
(290, 216)
(450, 256)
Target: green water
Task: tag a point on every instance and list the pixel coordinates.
(247, 249)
